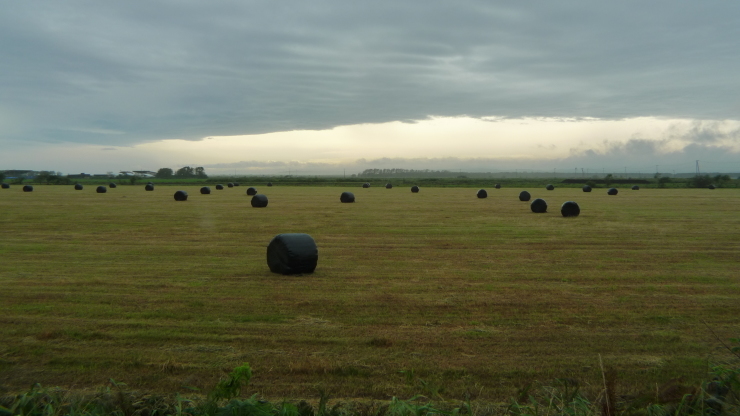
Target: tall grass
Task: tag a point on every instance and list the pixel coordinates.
(713, 398)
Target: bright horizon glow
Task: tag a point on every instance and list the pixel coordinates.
(526, 142)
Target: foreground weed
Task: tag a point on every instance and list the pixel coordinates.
(718, 397)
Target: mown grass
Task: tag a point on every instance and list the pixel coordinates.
(473, 297)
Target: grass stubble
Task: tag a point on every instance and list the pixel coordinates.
(439, 290)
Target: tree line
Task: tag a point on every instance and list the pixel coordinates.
(183, 172)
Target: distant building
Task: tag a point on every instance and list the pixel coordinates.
(141, 173)
(14, 173)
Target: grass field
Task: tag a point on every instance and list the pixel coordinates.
(437, 292)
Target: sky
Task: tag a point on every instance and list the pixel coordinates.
(326, 86)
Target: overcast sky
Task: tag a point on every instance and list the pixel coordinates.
(255, 86)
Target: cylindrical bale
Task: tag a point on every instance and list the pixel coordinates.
(269, 183)
(570, 209)
(259, 201)
(292, 253)
(230, 184)
(612, 191)
(101, 189)
(251, 191)
(181, 196)
(497, 186)
(524, 196)
(711, 186)
(219, 187)
(388, 186)
(347, 197)
(205, 190)
(586, 188)
(538, 205)
(635, 188)
(5, 186)
(236, 183)
(482, 193)
(112, 185)
(149, 187)
(79, 187)
(415, 189)
(550, 187)
(366, 185)
(27, 188)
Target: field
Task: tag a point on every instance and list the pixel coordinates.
(437, 293)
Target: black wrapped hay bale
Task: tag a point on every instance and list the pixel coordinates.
(612, 191)
(205, 190)
(230, 184)
(149, 187)
(269, 183)
(635, 188)
(347, 197)
(497, 186)
(219, 187)
(112, 185)
(482, 194)
(388, 186)
(181, 196)
(366, 185)
(538, 205)
(292, 254)
(550, 187)
(27, 188)
(259, 201)
(251, 191)
(79, 187)
(711, 186)
(5, 186)
(236, 183)
(415, 189)
(524, 196)
(586, 188)
(570, 209)
(101, 189)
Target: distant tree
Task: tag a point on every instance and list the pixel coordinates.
(200, 172)
(50, 177)
(185, 172)
(132, 179)
(43, 176)
(608, 179)
(663, 181)
(700, 181)
(2, 176)
(164, 173)
(721, 179)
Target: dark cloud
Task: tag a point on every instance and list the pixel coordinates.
(705, 132)
(74, 70)
(640, 155)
